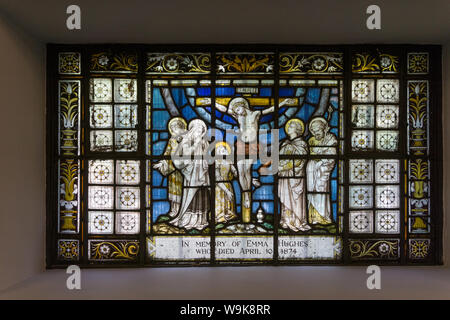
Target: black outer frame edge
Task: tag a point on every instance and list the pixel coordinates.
(50, 123)
(436, 154)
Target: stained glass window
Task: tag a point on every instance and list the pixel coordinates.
(216, 155)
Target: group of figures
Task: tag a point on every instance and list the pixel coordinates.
(188, 178)
(299, 211)
(304, 185)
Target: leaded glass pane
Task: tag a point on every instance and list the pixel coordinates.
(127, 222)
(363, 90)
(113, 250)
(69, 103)
(69, 63)
(101, 222)
(387, 140)
(101, 171)
(362, 139)
(100, 90)
(68, 249)
(374, 249)
(178, 63)
(418, 105)
(361, 221)
(419, 249)
(126, 140)
(125, 90)
(101, 116)
(387, 196)
(125, 116)
(101, 140)
(387, 171)
(363, 116)
(101, 197)
(114, 61)
(127, 198)
(127, 172)
(69, 196)
(418, 62)
(387, 116)
(361, 171)
(361, 196)
(387, 90)
(311, 62)
(387, 221)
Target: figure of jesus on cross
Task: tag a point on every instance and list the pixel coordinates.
(247, 145)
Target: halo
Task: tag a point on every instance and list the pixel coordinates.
(176, 119)
(320, 119)
(238, 100)
(226, 145)
(196, 122)
(295, 120)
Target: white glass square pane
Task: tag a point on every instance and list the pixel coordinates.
(127, 172)
(387, 90)
(125, 90)
(361, 171)
(125, 116)
(361, 196)
(126, 140)
(363, 90)
(100, 90)
(101, 197)
(363, 116)
(387, 116)
(127, 198)
(387, 222)
(387, 171)
(100, 116)
(361, 221)
(127, 222)
(101, 140)
(101, 172)
(100, 222)
(387, 196)
(362, 140)
(387, 140)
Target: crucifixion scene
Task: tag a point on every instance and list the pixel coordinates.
(303, 190)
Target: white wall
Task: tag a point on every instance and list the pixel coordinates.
(22, 136)
(22, 129)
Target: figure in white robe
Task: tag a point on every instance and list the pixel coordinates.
(177, 127)
(318, 171)
(225, 173)
(195, 203)
(291, 182)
